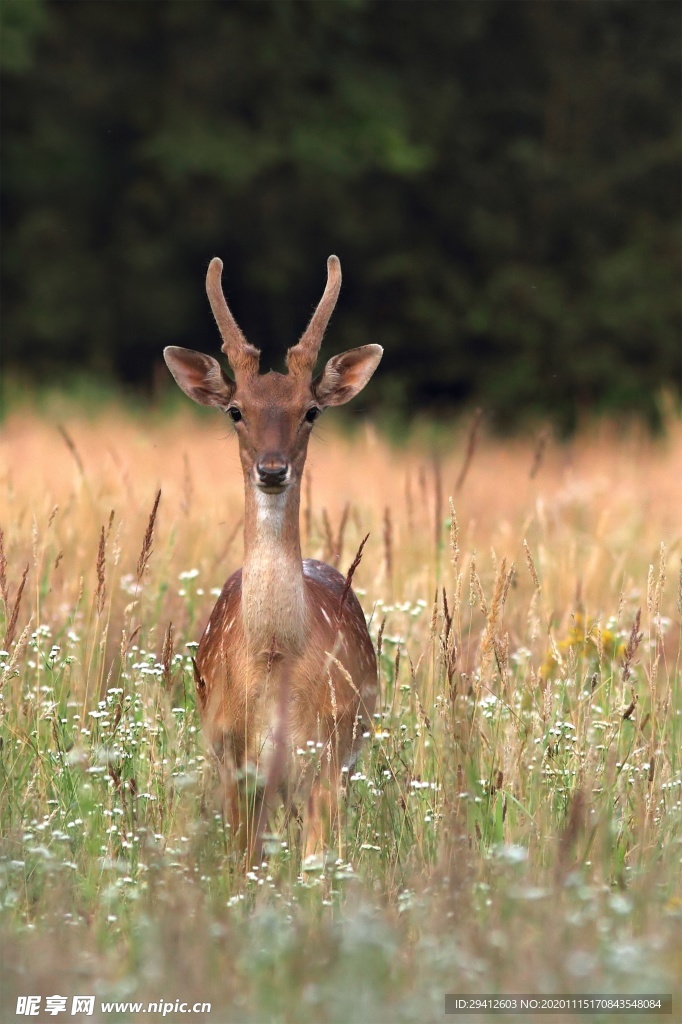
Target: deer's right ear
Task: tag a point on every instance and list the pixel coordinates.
(200, 377)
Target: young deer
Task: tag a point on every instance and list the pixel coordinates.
(286, 658)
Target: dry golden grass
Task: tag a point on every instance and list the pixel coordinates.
(586, 503)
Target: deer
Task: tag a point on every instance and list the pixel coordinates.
(286, 663)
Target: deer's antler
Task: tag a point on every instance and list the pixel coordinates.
(242, 357)
(302, 357)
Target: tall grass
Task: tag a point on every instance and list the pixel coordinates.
(515, 821)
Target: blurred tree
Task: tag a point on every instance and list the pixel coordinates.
(500, 180)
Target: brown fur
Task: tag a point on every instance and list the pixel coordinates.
(325, 704)
(286, 664)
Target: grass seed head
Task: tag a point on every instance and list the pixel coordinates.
(3, 572)
(100, 593)
(634, 641)
(146, 550)
(14, 615)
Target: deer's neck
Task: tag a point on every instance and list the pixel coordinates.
(273, 591)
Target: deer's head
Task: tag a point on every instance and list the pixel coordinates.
(272, 413)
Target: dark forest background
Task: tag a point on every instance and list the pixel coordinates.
(501, 180)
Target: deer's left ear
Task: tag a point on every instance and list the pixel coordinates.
(345, 376)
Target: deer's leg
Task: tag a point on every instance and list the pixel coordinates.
(250, 809)
(321, 814)
(233, 803)
(248, 814)
(238, 810)
(260, 818)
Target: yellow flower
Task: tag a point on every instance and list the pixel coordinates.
(587, 640)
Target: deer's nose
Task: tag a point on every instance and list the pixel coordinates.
(272, 470)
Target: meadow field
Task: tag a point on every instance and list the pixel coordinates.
(514, 824)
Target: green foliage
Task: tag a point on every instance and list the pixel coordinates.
(21, 21)
(501, 182)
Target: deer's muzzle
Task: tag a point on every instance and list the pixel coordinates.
(273, 472)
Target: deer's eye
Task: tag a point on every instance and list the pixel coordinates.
(235, 413)
(312, 414)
